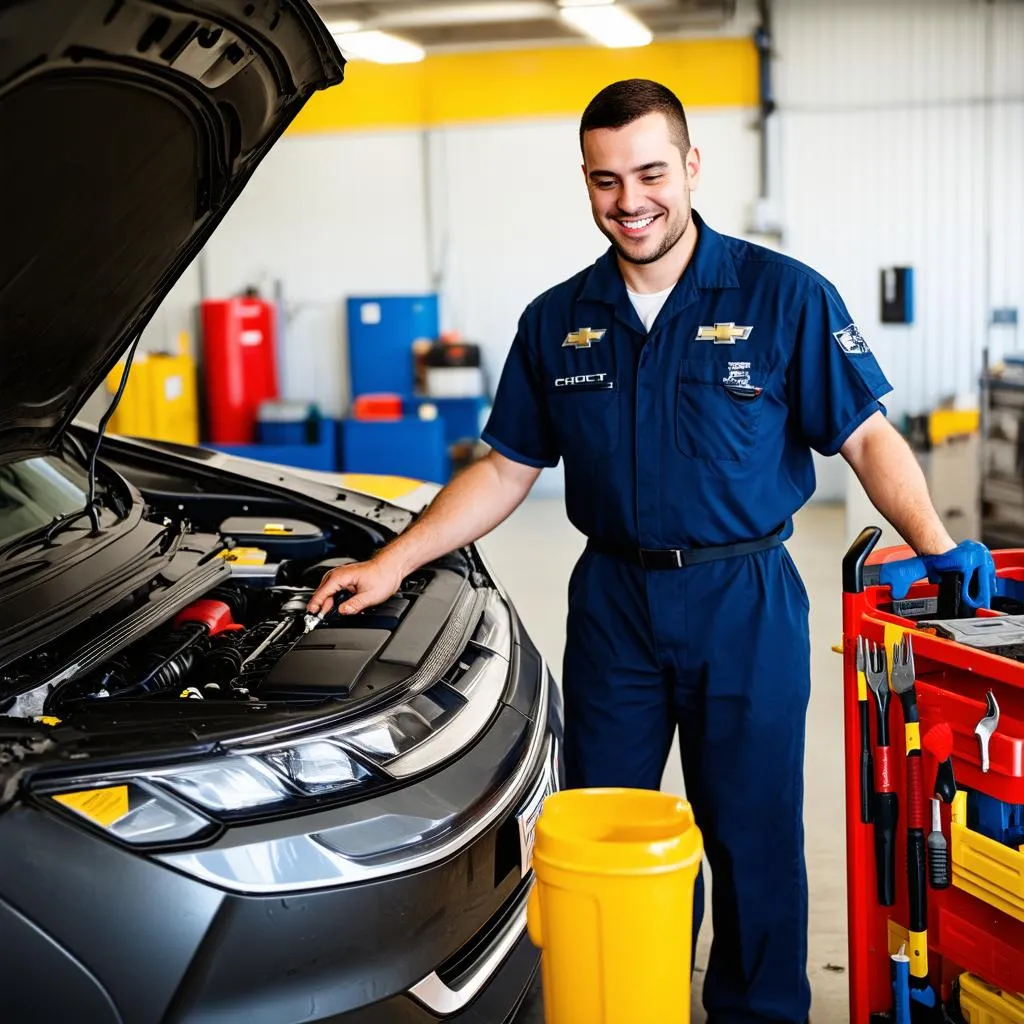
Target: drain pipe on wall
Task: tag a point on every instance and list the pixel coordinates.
(765, 220)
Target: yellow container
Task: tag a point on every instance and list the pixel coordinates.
(983, 1004)
(159, 401)
(612, 907)
(986, 869)
(946, 423)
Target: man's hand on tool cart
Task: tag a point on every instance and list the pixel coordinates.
(969, 558)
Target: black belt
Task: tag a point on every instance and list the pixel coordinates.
(678, 558)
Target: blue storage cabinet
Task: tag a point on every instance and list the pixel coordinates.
(462, 417)
(381, 331)
(407, 447)
(289, 445)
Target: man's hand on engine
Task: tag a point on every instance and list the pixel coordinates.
(365, 584)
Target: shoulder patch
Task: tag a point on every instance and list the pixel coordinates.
(851, 340)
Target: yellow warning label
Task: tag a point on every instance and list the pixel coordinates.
(102, 806)
(278, 528)
(245, 556)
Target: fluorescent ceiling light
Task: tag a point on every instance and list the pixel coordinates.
(379, 47)
(607, 23)
(444, 14)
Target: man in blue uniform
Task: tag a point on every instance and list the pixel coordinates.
(684, 379)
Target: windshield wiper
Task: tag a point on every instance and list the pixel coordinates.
(43, 535)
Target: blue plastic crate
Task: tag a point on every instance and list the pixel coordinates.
(407, 447)
(290, 448)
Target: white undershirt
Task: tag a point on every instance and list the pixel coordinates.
(648, 305)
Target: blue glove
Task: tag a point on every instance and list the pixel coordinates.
(970, 558)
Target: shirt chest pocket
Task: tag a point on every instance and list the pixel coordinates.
(586, 419)
(719, 408)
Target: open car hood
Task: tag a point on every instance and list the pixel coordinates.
(129, 127)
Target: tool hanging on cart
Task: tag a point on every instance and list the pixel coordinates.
(867, 765)
(938, 741)
(903, 680)
(886, 810)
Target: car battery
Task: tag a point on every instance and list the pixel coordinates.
(280, 538)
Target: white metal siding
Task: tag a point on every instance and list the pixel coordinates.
(902, 143)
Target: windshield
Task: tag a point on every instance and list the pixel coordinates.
(35, 492)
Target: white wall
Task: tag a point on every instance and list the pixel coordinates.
(901, 141)
(903, 145)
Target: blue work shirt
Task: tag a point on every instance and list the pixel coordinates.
(699, 432)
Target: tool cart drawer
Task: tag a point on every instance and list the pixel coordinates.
(983, 867)
(983, 1004)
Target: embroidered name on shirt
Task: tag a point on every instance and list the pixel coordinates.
(586, 382)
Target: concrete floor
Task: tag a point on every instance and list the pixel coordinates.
(533, 553)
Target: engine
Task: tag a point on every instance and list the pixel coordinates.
(221, 646)
(241, 637)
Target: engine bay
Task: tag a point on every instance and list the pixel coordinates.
(245, 639)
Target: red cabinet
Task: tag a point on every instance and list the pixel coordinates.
(239, 366)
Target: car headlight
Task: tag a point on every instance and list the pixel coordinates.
(227, 784)
(165, 805)
(318, 766)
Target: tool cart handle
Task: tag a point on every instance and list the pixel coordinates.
(855, 559)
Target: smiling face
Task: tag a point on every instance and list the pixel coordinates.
(640, 186)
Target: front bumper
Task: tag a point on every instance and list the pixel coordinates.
(102, 934)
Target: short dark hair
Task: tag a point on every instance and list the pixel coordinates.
(622, 103)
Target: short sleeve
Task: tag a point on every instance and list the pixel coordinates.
(519, 426)
(834, 382)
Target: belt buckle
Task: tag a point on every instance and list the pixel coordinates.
(679, 557)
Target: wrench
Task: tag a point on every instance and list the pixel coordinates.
(986, 727)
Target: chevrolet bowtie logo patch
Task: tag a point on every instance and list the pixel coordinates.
(724, 334)
(582, 338)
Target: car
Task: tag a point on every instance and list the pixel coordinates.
(208, 810)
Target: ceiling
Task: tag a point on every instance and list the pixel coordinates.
(461, 24)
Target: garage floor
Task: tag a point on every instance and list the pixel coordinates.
(533, 554)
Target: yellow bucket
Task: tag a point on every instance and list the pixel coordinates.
(612, 907)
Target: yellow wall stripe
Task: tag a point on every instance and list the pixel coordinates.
(459, 88)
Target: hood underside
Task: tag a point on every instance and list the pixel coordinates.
(129, 127)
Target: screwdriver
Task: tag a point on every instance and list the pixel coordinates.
(938, 741)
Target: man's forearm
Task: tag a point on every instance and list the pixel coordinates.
(894, 482)
(475, 502)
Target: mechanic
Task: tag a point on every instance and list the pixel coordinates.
(684, 379)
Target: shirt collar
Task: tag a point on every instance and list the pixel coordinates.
(710, 266)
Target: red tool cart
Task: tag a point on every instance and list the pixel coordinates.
(961, 930)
